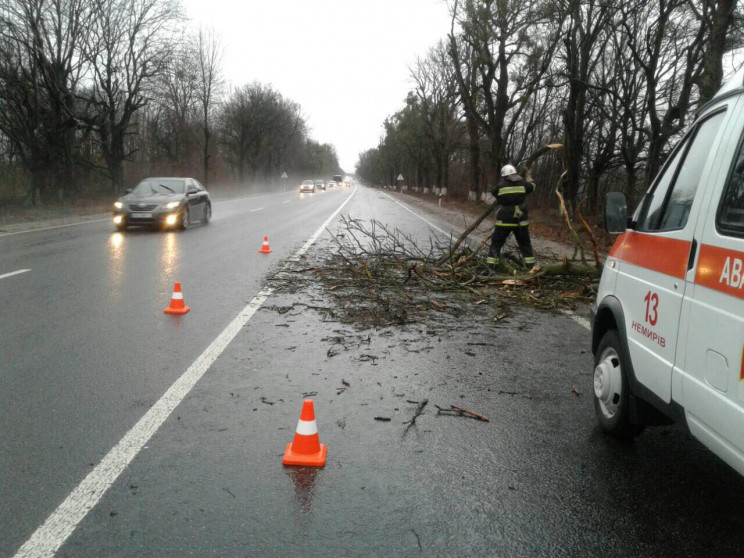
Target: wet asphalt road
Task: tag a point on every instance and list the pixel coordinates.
(538, 480)
(85, 348)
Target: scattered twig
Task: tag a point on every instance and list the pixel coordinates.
(416, 415)
(458, 411)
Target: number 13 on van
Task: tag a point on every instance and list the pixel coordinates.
(652, 316)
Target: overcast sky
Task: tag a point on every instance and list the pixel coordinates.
(345, 61)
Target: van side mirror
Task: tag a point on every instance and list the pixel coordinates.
(616, 213)
(128, 191)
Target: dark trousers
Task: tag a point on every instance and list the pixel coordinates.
(522, 234)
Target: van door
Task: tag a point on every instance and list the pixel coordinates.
(711, 386)
(654, 257)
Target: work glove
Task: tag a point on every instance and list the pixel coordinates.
(518, 212)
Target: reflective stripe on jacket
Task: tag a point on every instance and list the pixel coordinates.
(511, 192)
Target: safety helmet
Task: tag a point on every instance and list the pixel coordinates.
(507, 170)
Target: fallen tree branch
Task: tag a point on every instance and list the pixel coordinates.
(564, 212)
(592, 238)
(464, 235)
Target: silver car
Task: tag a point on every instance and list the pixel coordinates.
(307, 186)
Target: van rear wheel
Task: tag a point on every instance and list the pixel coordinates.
(612, 389)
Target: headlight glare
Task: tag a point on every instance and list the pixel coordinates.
(118, 205)
(172, 205)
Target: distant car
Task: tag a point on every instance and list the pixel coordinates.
(338, 179)
(320, 185)
(331, 184)
(165, 202)
(307, 186)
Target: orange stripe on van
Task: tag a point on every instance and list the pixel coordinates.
(657, 253)
(741, 373)
(714, 273)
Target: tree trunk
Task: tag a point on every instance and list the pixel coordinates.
(474, 146)
(206, 156)
(721, 21)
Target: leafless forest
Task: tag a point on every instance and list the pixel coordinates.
(614, 81)
(96, 94)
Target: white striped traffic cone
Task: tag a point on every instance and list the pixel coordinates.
(265, 248)
(306, 448)
(177, 305)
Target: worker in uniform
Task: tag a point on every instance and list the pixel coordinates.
(511, 214)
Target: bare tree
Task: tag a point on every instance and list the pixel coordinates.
(131, 43)
(588, 31)
(40, 70)
(512, 46)
(436, 90)
(717, 18)
(209, 56)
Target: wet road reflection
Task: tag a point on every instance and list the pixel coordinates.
(169, 259)
(116, 250)
(304, 485)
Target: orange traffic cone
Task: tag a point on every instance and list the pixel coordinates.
(176, 304)
(265, 249)
(306, 448)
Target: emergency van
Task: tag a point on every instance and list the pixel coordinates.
(668, 322)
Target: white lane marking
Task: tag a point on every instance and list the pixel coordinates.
(55, 227)
(583, 322)
(14, 273)
(288, 201)
(52, 534)
(253, 197)
(257, 209)
(404, 206)
(313, 238)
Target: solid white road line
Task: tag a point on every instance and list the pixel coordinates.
(48, 538)
(288, 201)
(14, 273)
(313, 238)
(404, 206)
(251, 197)
(583, 322)
(257, 209)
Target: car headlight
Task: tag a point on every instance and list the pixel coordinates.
(172, 205)
(118, 205)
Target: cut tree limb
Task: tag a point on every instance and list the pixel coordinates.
(592, 238)
(578, 246)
